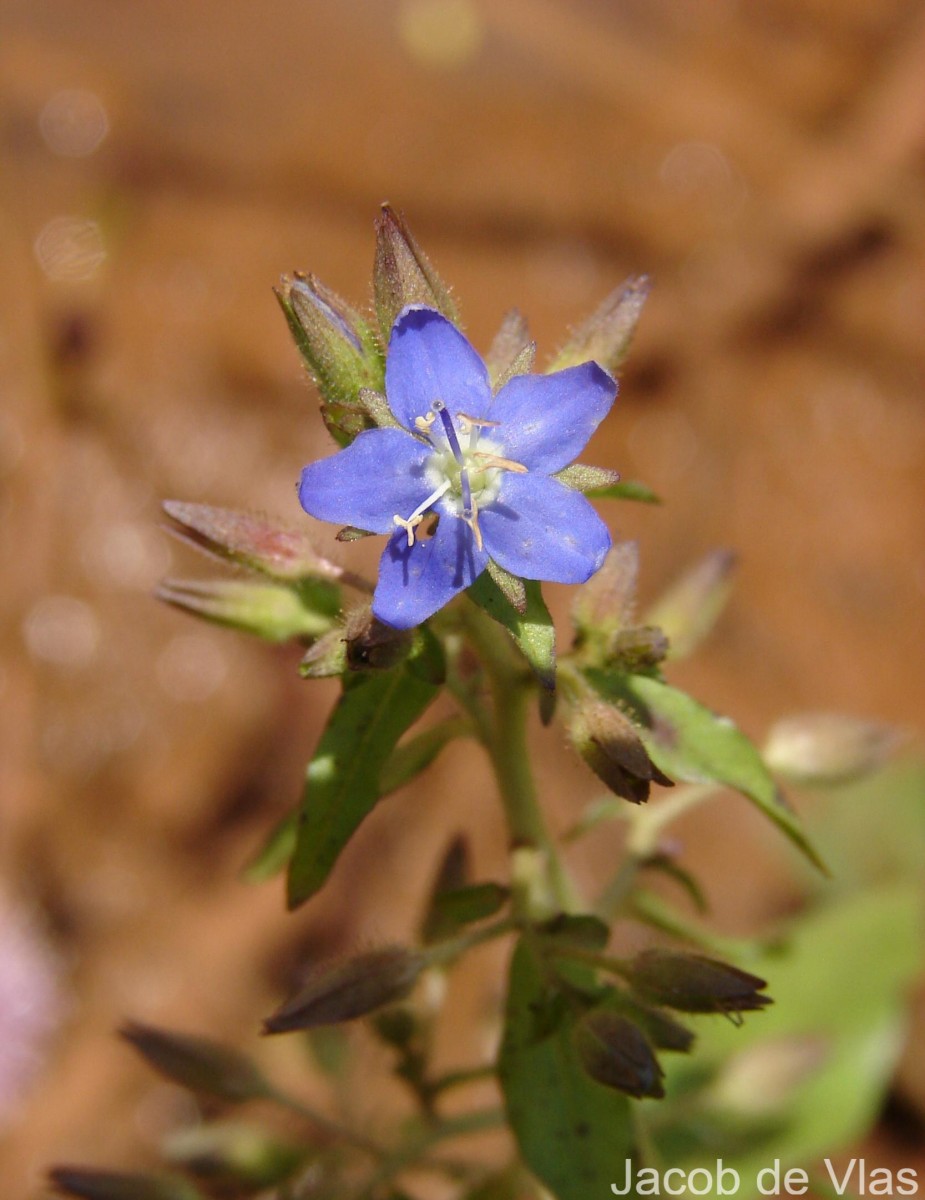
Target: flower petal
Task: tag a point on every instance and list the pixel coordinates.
(546, 420)
(379, 474)
(428, 360)
(538, 529)
(416, 581)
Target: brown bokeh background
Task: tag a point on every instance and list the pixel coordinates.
(162, 165)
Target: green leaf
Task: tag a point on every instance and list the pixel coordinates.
(688, 742)
(405, 763)
(450, 911)
(811, 1074)
(342, 781)
(574, 1134)
(533, 631)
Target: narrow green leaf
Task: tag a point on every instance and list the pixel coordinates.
(342, 781)
(690, 743)
(574, 1134)
(450, 911)
(533, 631)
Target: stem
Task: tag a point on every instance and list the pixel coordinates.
(544, 884)
(333, 1129)
(415, 1150)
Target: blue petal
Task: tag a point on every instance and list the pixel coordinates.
(539, 529)
(546, 420)
(416, 581)
(428, 360)
(379, 474)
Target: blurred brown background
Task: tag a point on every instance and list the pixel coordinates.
(162, 165)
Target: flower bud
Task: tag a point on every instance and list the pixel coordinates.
(608, 742)
(232, 1156)
(346, 990)
(693, 983)
(120, 1185)
(372, 645)
(403, 274)
(199, 1064)
(606, 335)
(823, 749)
(326, 657)
(606, 603)
(337, 345)
(690, 607)
(250, 541)
(267, 610)
(615, 1052)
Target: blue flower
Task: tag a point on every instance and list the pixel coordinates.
(482, 463)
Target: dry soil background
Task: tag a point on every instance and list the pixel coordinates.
(163, 163)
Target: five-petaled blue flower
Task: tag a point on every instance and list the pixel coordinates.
(482, 463)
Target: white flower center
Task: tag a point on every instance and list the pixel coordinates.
(467, 478)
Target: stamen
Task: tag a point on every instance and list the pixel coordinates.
(471, 517)
(409, 524)
(503, 464)
(440, 409)
(474, 426)
(424, 423)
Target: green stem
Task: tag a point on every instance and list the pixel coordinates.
(333, 1129)
(416, 1149)
(543, 883)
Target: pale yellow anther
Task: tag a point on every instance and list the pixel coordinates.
(467, 423)
(424, 423)
(472, 520)
(409, 526)
(503, 464)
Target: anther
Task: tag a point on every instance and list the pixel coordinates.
(409, 524)
(424, 423)
(503, 464)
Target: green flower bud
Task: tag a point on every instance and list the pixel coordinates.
(120, 1185)
(347, 990)
(693, 983)
(823, 749)
(271, 612)
(512, 352)
(606, 335)
(233, 1156)
(607, 602)
(615, 1052)
(689, 609)
(403, 274)
(337, 346)
(197, 1063)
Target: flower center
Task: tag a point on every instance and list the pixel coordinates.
(467, 478)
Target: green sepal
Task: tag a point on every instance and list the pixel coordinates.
(343, 778)
(690, 743)
(606, 335)
(533, 632)
(403, 274)
(512, 351)
(574, 1134)
(512, 588)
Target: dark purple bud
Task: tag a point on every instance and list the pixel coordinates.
(615, 1052)
(197, 1063)
(608, 742)
(403, 274)
(347, 990)
(120, 1185)
(693, 983)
